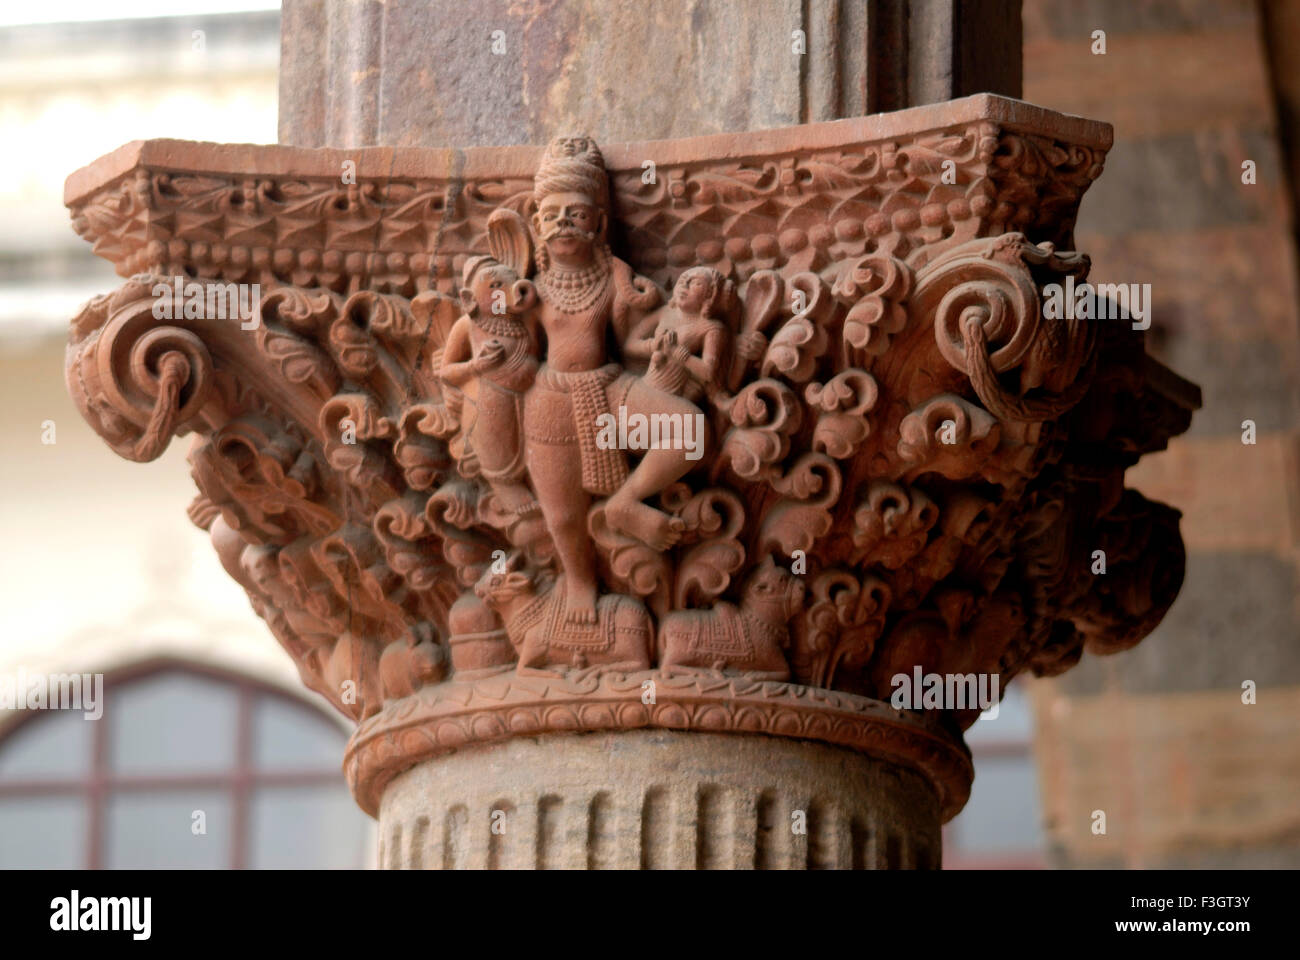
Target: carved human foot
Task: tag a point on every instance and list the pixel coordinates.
(652, 527)
(580, 603)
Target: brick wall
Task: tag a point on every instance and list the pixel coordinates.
(1158, 738)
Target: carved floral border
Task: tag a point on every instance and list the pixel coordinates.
(462, 713)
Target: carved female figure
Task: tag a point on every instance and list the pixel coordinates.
(690, 336)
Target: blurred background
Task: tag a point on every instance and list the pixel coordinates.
(105, 574)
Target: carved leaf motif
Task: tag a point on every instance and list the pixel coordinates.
(809, 489)
(840, 625)
(353, 560)
(713, 518)
(387, 318)
(632, 566)
(875, 288)
(107, 217)
(399, 524)
(948, 435)
(208, 194)
(299, 361)
(761, 304)
(346, 422)
(263, 479)
(819, 627)
(833, 173)
(303, 312)
(364, 412)
(455, 503)
(764, 415)
(844, 401)
(891, 524)
(802, 340)
(352, 346)
(419, 450)
(861, 616)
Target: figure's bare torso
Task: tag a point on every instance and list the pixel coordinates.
(691, 331)
(575, 341)
(575, 338)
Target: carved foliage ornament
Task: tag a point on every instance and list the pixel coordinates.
(513, 438)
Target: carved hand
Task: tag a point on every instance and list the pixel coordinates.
(667, 371)
(665, 340)
(491, 356)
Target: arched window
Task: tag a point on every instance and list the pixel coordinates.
(187, 767)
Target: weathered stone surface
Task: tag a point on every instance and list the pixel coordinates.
(1185, 779)
(1186, 182)
(1152, 84)
(658, 800)
(424, 72)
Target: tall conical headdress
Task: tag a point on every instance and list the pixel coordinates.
(572, 164)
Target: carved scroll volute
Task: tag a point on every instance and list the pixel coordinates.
(123, 358)
(135, 381)
(988, 321)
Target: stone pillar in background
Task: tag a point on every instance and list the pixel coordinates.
(422, 73)
(909, 465)
(1188, 774)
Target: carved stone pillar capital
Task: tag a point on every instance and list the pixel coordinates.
(886, 451)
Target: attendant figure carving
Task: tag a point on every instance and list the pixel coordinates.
(491, 356)
(690, 337)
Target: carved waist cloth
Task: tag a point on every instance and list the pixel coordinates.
(562, 410)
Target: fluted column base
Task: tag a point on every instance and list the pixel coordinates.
(658, 799)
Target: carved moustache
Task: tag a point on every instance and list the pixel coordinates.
(564, 233)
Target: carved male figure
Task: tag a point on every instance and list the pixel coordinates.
(588, 295)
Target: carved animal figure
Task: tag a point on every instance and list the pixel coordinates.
(535, 622)
(748, 638)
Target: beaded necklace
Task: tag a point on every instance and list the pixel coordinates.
(575, 291)
(499, 325)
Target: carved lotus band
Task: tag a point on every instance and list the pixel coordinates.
(905, 462)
